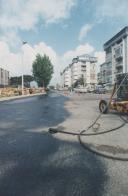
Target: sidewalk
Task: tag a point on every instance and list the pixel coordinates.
(20, 97)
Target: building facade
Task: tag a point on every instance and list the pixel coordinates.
(116, 50)
(76, 72)
(99, 78)
(82, 66)
(66, 77)
(4, 77)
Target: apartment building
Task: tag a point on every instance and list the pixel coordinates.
(98, 77)
(76, 72)
(83, 66)
(105, 73)
(116, 50)
(66, 77)
(4, 77)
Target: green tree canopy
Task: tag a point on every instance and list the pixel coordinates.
(80, 81)
(17, 80)
(42, 70)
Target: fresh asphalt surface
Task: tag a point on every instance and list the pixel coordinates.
(34, 162)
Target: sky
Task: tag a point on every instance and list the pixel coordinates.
(61, 29)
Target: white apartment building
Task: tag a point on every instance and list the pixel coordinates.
(82, 66)
(4, 77)
(98, 77)
(105, 73)
(76, 71)
(116, 55)
(66, 77)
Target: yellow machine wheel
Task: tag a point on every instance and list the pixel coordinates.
(103, 106)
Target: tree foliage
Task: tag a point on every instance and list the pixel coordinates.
(80, 81)
(42, 70)
(17, 80)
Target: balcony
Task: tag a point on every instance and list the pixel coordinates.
(119, 66)
(118, 53)
(83, 65)
(83, 69)
(119, 70)
(118, 73)
(108, 57)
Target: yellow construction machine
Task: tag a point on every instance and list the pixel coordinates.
(119, 98)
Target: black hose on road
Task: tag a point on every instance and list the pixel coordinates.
(83, 133)
(86, 147)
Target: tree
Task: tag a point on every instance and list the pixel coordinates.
(42, 70)
(79, 81)
(17, 80)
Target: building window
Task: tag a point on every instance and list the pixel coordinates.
(118, 52)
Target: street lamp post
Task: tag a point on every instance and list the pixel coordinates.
(23, 43)
(22, 84)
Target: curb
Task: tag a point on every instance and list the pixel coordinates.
(20, 97)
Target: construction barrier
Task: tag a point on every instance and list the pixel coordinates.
(9, 92)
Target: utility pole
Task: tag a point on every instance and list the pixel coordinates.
(23, 43)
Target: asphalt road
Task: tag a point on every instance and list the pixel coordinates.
(34, 162)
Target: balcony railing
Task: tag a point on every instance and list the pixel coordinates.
(83, 65)
(83, 69)
(118, 53)
(109, 57)
(118, 71)
(119, 65)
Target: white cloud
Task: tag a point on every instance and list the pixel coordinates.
(111, 9)
(8, 60)
(11, 38)
(18, 63)
(84, 30)
(66, 59)
(25, 15)
(100, 57)
(81, 49)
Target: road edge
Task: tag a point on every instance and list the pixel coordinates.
(20, 97)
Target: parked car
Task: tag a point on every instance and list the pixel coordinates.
(80, 90)
(90, 90)
(100, 90)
